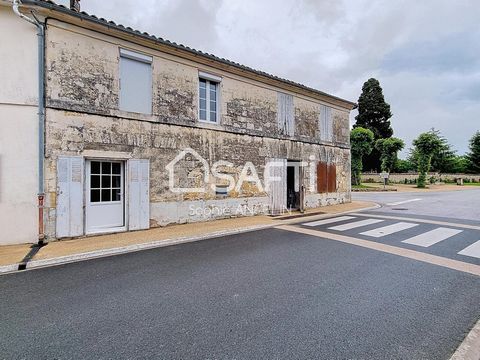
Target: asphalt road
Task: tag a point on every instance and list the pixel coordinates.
(461, 204)
(269, 294)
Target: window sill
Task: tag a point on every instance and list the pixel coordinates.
(209, 125)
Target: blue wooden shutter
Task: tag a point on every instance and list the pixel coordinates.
(138, 194)
(69, 220)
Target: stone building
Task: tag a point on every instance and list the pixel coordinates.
(141, 132)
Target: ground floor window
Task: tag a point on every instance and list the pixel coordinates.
(105, 181)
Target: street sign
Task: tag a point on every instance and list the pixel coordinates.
(384, 175)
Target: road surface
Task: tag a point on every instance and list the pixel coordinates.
(362, 285)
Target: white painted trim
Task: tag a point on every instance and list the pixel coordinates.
(136, 56)
(218, 101)
(86, 191)
(208, 76)
(99, 154)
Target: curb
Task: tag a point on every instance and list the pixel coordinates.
(469, 349)
(61, 260)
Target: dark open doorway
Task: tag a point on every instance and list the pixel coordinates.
(293, 192)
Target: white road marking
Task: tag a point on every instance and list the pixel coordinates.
(423, 221)
(389, 249)
(432, 237)
(472, 250)
(403, 202)
(389, 229)
(355, 224)
(328, 221)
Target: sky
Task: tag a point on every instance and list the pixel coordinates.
(426, 54)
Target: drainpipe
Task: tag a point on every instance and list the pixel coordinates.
(41, 113)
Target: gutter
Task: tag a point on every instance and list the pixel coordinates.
(41, 114)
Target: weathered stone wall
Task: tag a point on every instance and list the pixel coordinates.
(83, 119)
(401, 177)
(82, 75)
(71, 133)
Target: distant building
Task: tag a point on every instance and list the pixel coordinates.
(121, 105)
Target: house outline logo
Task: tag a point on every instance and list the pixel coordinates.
(171, 172)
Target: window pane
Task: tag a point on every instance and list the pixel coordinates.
(106, 195)
(213, 95)
(106, 182)
(203, 115)
(213, 87)
(213, 106)
(95, 167)
(94, 195)
(116, 195)
(213, 116)
(116, 168)
(203, 83)
(203, 104)
(116, 181)
(106, 168)
(203, 93)
(95, 181)
(135, 86)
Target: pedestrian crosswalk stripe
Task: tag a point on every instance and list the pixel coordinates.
(328, 221)
(389, 229)
(355, 224)
(432, 237)
(472, 250)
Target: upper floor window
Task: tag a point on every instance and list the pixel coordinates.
(285, 114)
(326, 123)
(135, 82)
(209, 88)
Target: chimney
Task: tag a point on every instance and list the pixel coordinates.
(75, 5)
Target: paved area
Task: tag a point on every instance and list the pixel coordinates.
(374, 284)
(453, 204)
(16, 253)
(268, 294)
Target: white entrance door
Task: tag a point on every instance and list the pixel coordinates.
(105, 196)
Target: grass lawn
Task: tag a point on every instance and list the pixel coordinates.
(472, 184)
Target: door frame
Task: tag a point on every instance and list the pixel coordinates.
(116, 229)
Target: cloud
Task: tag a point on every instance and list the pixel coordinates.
(425, 54)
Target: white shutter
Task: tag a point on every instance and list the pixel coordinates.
(278, 189)
(138, 194)
(326, 123)
(290, 115)
(70, 196)
(285, 114)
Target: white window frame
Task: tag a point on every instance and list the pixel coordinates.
(136, 56)
(209, 78)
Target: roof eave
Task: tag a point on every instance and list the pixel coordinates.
(188, 53)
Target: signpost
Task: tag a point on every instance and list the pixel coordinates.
(384, 176)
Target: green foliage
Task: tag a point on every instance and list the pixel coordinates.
(444, 158)
(388, 149)
(404, 166)
(426, 145)
(474, 154)
(459, 165)
(374, 114)
(361, 142)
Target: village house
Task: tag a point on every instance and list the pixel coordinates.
(107, 129)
